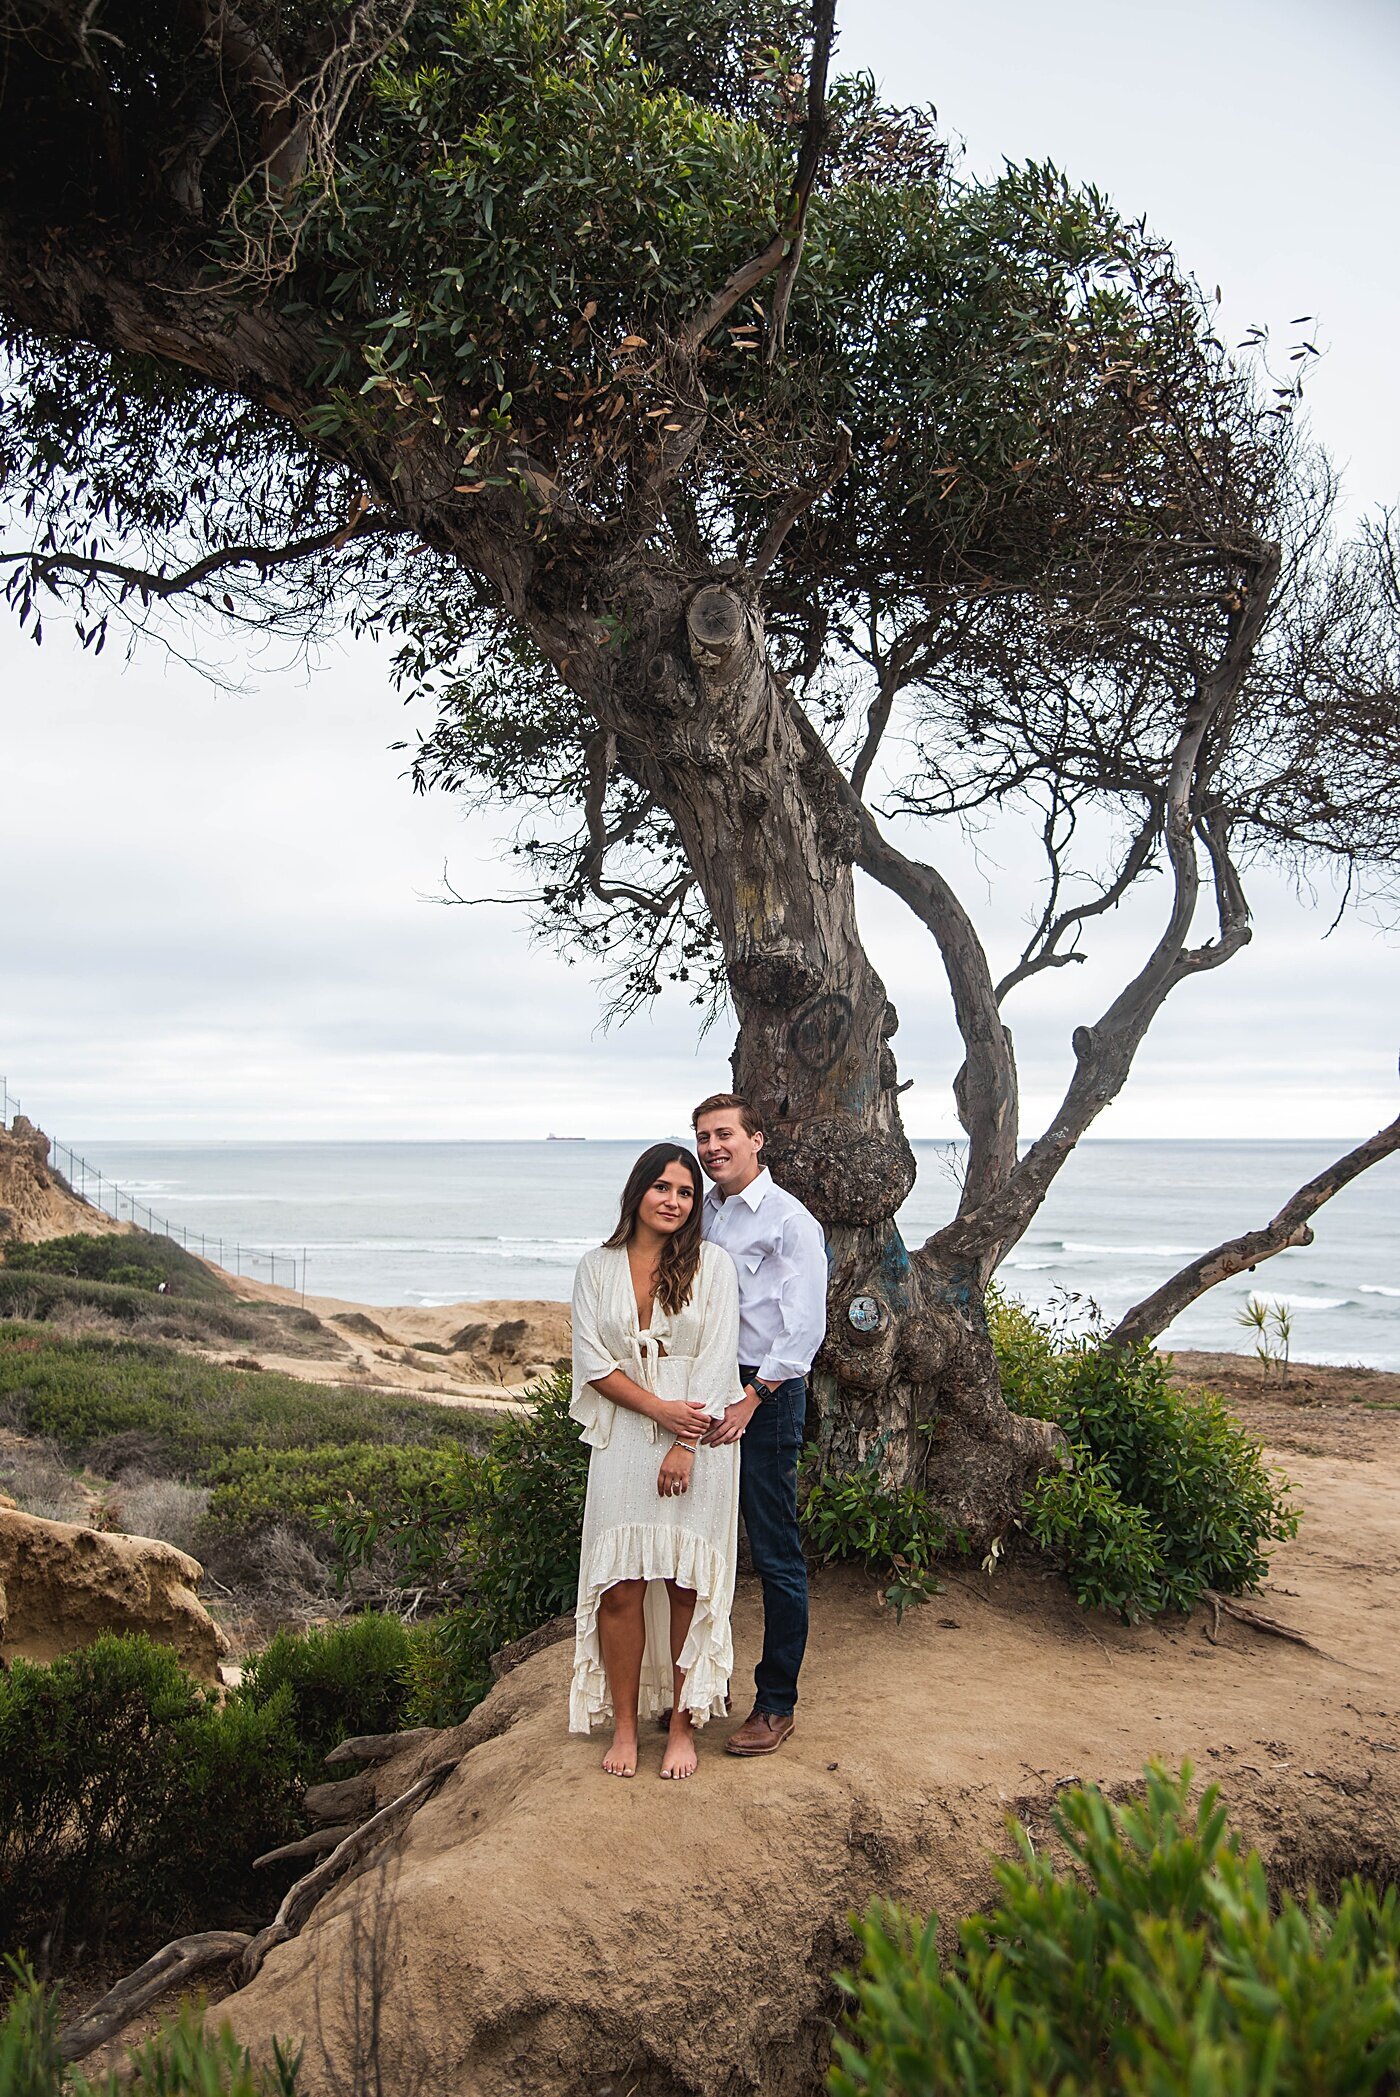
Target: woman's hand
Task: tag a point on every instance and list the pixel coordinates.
(674, 1475)
(680, 1417)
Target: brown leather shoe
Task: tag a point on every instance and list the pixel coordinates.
(762, 1733)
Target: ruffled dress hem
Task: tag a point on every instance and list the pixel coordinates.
(656, 1551)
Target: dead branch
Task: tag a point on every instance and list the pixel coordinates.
(309, 1846)
(171, 1967)
(1290, 1227)
(183, 1960)
(365, 1749)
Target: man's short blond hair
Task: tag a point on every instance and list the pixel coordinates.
(720, 1102)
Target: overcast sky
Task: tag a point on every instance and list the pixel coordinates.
(217, 907)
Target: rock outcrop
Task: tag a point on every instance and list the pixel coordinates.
(538, 1926)
(62, 1586)
(35, 1202)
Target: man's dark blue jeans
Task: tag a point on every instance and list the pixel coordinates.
(768, 1456)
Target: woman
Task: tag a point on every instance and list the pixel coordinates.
(656, 1351)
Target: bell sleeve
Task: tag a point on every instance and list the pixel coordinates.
(593, 1412)
(714, 1379)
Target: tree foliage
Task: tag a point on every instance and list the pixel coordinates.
(735, 473)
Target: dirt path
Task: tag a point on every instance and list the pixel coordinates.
(544, 1927)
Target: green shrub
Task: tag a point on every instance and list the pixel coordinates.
(180, 2060)
(1168, 1495)
(1155, 1966)
(257, 1486)
(186, 1414)
(892, 1534)
(350, 1678)
(131, 1801)
(501, 1529)
(43, 1296)
(137, 1259)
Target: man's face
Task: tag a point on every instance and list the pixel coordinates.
(730, 1155)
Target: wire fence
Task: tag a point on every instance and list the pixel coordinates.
(259, 1263)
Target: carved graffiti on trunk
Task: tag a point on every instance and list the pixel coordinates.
(821, 1030)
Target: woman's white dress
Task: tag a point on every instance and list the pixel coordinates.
(629, 1531)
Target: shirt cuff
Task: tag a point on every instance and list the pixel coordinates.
(771, 1370)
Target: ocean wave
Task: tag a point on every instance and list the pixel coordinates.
(1376, 1289)
(1118, 1252)
(1316, 1303)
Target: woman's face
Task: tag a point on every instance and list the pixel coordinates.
(669, 1200)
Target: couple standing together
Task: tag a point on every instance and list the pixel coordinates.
(694, 1328)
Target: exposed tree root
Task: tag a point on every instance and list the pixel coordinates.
(171, 1967)
(1257, 1621)
(177, 1963)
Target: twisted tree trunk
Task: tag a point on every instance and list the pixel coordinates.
(907, 1378)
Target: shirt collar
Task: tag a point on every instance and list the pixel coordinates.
(751, 1195)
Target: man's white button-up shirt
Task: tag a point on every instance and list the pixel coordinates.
(780, 1252)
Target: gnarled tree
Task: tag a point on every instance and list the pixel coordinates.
(740, 478)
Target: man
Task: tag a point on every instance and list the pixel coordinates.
(780, 1253)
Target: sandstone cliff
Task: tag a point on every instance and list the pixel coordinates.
(62, 1586)
(34, 1202)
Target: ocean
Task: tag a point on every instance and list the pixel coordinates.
(383, 1223)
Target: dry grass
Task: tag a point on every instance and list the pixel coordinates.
(161, 1507)
(40, 1483)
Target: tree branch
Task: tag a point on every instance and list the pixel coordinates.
(985, 1088)
(1042, 949)
(1104, 1052)
(797, 503)
(47, 567)
(785, 247)
(894, 673)
(1290, 1227)
(173, 1966)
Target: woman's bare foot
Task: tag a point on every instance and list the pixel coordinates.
(681, 1758)
(621, 1758)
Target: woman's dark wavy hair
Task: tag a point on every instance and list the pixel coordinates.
(680, 1255)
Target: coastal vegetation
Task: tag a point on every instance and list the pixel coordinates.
(1140, 1950)
(735, 473)
(1141, 1953)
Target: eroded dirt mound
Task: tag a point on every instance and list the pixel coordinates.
(457, 1352)
(541, 1927)
(62, 1586)
(34, 1202)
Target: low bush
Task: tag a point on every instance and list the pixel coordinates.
(131, 1802)
(136, 1260)
(1167, 1495)
(892, 1534)
(182, 2059)
(349, 1678)
(40, 1297)
(500, 1530)
(181, 1415)
(256, 1486)
(1153, 1964)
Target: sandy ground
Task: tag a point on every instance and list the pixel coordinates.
(541, 1926)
